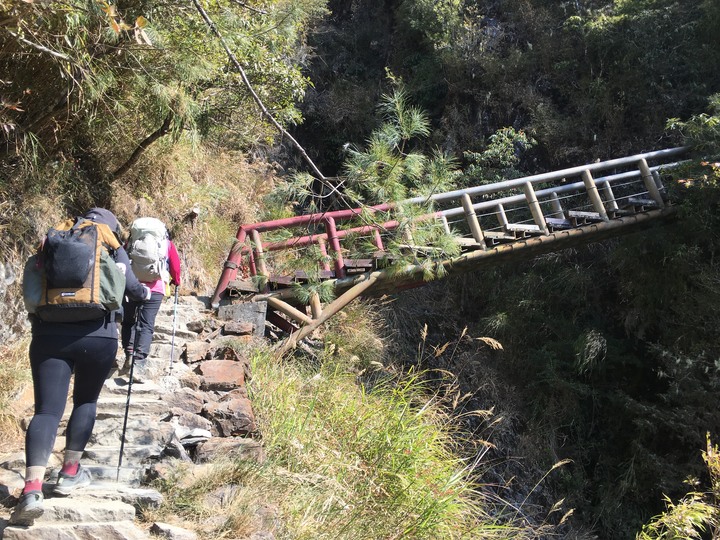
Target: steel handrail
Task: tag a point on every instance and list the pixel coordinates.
(333, 234)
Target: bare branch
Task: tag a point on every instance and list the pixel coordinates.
(257, 99)
(163, 130)
(40, 47)
(244, 5)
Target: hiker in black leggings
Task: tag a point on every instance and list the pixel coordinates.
(52, 362)
(57, 350)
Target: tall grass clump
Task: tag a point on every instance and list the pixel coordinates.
(370, 456)
(353, 333)
(697, 514)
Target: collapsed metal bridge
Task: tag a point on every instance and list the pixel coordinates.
(278, 264)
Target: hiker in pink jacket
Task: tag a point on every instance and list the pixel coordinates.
(155, 260)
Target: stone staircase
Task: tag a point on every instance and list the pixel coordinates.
(168, 420)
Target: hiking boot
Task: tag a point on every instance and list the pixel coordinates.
(140, 371)
(28, 509)
(124, 371)
(66, 483)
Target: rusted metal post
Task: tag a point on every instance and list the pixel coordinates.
(472, 220)
(378, 241)
(258, 248)
(535, 208)
(334, 241)
(251, 263)
(650, 184)
(231, 267)
(593, 194)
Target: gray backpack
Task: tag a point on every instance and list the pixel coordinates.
(147, 249)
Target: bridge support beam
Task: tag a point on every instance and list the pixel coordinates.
(557, 208)
(472, 220)
(609, 196)
(593, 194)
(287, 309)
(502, 218)
(650, 185)
(445, 224)
(260, 259)
(324, 252)
(315, 305)
(335, 306)
(535, 208)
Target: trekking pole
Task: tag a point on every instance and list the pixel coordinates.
(129, 391)
(172, 341)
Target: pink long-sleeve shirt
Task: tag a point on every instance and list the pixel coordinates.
(173, 268)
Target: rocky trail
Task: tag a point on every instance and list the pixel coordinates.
(193, 410)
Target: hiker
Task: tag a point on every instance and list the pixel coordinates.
(156, 263)
(88, 349)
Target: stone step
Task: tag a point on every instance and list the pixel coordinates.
(78, 509)
(124, 530)
(165, 329)
(140, 430)
(132, 453)
(137, 497)
(114, 407)
(129, 475)
(118, 386)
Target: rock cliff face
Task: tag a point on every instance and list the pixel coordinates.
(13, 322)
(193, 408)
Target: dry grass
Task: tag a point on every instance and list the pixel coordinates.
(14, 380)
(353, 334)
(346, 460)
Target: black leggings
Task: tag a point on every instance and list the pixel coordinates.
(53, 359)
(144, 314)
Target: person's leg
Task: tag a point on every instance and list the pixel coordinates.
(146, 315)
(127, 329)
(95, 358)
(51, 371)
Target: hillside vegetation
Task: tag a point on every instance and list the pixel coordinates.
(601, 360)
